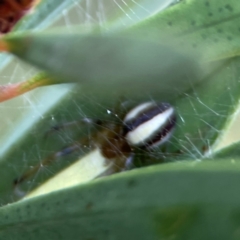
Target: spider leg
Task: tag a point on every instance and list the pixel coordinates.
(88, 121)
(122, 163)
(65, 151)
(129, 162)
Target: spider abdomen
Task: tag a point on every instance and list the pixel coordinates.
(149, 124)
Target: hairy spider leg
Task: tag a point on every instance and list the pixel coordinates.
(90, 121)
(87, 121)
(96, 140)
(86, 142)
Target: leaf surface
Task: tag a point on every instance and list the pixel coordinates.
(170, 206)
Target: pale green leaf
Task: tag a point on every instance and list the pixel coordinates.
(23, 144)
(187, 200)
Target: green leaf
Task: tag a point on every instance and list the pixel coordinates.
(208, 29)
(230, 152)
(110, 63)
(145, 59)
(180, 200)
(43, 15)
(22, 139)
(196, 90)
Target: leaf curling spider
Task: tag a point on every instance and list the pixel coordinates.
(146, 126)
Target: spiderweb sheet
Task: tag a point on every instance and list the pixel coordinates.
(86, 13)
(20, 114)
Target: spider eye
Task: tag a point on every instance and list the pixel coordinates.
(149, 124)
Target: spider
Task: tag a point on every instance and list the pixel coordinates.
(145, 126)
(11, 11)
